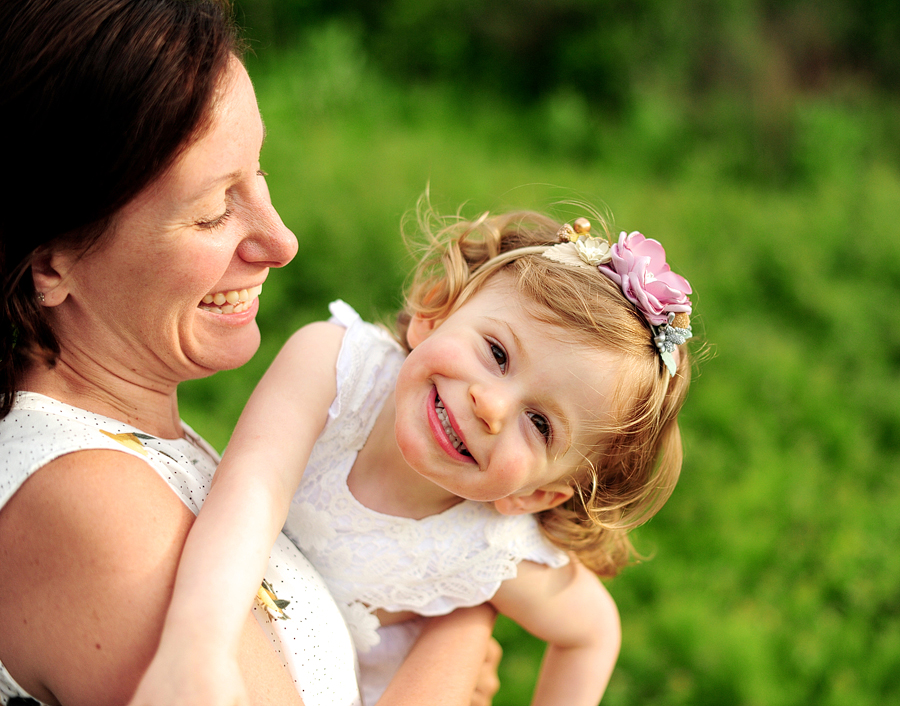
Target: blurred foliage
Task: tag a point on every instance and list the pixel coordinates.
(695, 71)
(774, 184)
(602, 48)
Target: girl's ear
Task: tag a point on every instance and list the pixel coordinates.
(49, 270)
(419, 329)
(538, 500)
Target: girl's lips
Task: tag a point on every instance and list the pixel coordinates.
(437, 430)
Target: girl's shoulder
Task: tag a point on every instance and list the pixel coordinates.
(345, 316)
(366, 368)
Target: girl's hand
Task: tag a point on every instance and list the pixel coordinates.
(488, 682)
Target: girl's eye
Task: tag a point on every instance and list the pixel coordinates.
(541, 424)
(215, 222)
(499, 355)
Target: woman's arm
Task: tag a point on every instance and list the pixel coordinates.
(89, 547)
(571, 610)
(228, 548)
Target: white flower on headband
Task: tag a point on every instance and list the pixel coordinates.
(594, 251)
(580, 250)
(587, 252)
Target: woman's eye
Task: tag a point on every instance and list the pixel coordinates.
(214, 223)
(260, 172)
(541, 424)
(499, 355)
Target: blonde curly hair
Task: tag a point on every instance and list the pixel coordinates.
(631, 470)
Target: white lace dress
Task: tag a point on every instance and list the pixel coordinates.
(369, 560)
(313, 643)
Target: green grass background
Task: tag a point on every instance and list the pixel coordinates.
(774, 571)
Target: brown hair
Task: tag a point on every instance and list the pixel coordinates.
(631, 471)
(97, 99)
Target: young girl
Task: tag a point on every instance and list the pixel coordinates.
(500, 452)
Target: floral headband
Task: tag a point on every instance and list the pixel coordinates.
(638, 265)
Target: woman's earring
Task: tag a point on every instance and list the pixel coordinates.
(40, 297)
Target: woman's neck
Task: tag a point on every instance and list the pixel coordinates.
(154, 411)
(383, 481)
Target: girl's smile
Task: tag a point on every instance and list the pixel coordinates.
(445, 431)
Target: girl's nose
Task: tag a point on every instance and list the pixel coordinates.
(491, 405)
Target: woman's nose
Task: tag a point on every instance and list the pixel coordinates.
(269, 241)
(491, 404)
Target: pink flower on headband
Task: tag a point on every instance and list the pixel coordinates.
(639, 267)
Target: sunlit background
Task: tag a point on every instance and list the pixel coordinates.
(758, 140)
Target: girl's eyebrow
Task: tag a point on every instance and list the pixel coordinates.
(512, 334)
(563, 440)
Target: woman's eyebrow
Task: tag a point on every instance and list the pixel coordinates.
(231, 176)
(213, 183)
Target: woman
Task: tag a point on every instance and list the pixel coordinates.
(136, 231)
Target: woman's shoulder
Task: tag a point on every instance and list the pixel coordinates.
(39, 430)
(98, 502)
(90, 546)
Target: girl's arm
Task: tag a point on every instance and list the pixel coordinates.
(571, 610)
(453, 663)
(227, 550)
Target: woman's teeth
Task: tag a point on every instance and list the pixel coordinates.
(232, 302)
(448, 429)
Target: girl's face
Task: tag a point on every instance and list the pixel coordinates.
(172, 293)
(493, 404)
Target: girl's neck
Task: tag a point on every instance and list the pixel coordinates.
(382, 480)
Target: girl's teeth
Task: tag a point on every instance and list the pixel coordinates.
(448, 428)
(232, 302)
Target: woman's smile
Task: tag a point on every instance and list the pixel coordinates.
(233, 301)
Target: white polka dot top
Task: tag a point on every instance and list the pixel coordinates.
(313, 640)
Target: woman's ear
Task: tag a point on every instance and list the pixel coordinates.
(538, 500)
(49, 269)
(419, 329)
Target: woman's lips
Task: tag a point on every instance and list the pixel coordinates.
(233, 301)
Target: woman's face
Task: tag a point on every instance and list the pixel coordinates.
(172, 293)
